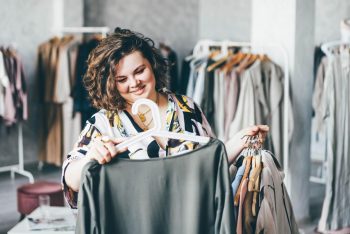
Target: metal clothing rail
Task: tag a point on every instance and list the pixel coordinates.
(77, 30)
(326, 47)
(19, 168)
(204, 46)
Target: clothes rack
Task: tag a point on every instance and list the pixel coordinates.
(204, 46)
(102, 30)
(19, 168)
(60, 31)
(327, 49)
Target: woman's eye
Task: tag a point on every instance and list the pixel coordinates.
(139, 71)
(121, 80)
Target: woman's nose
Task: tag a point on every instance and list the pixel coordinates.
(135, 82)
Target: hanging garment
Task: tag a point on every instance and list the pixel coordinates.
(231, 98)
(207, 103)
(79, 93)
(15, 91)
(273, 80)
(183, 79)
(275, 213)
(194, 70)
(317, 97)
(182, 116)
(168, 195)
(4, 83)
(219, 101)
(171, 58)
(336, 206)
(245, 112)
(60, 128)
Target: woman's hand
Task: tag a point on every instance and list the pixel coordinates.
(102, 149)
(238, 142)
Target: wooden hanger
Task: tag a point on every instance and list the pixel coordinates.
(220, 61)
(236, 59)
(251, 59)
(213, 54)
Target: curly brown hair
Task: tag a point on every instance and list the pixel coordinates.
(99, 79)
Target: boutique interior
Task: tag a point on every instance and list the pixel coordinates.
(243, 63)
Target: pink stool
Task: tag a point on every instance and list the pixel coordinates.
(28, 196)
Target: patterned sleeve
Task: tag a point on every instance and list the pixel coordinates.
(202, 120)
(79, 151)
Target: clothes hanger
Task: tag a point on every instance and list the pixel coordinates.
(236, 59)
(156, 130)
(251, 59)
(225, 57)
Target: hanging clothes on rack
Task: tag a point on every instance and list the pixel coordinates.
(335, 100)
(13, 88)
(13, 102)
(237, 90)
(171, 56)
(318, 138)
(80, 96)
(59, 127)
(261, 201)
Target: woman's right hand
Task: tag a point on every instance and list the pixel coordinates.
(102, 149)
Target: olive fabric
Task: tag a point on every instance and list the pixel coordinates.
(188, 193)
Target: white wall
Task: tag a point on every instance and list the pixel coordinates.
(328, 17)
(173, 22)
(225, 19)
(28, 23)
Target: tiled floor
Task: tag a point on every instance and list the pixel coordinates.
(8, 203)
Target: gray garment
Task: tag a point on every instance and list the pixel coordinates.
(189, 193)
(317, 96)
(245, 112)
(219, 102)
(194, 65)
(273, 80)
(231, 98)
(275, 213)
(336, 206)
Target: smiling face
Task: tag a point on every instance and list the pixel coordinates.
(135, 78)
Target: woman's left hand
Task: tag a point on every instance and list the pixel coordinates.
(238, 142)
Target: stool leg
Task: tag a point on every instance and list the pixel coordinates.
(12, 175)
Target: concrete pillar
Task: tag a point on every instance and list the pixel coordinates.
(291, 24)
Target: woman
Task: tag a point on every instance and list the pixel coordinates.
(124, 67)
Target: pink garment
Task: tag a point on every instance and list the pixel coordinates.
(231, 100)
(21, 89)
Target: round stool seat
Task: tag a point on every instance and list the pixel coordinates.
(28, 195)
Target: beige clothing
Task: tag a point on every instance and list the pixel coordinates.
(61, 128)
(245, 112)
(231, 98)
(274, 88)
(276, 212)
(317, 97)
(336, 207)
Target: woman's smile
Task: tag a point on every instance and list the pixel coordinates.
(139, 91)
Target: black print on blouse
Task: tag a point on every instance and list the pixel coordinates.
(92, 120)
(153, 149)
(82, 151)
